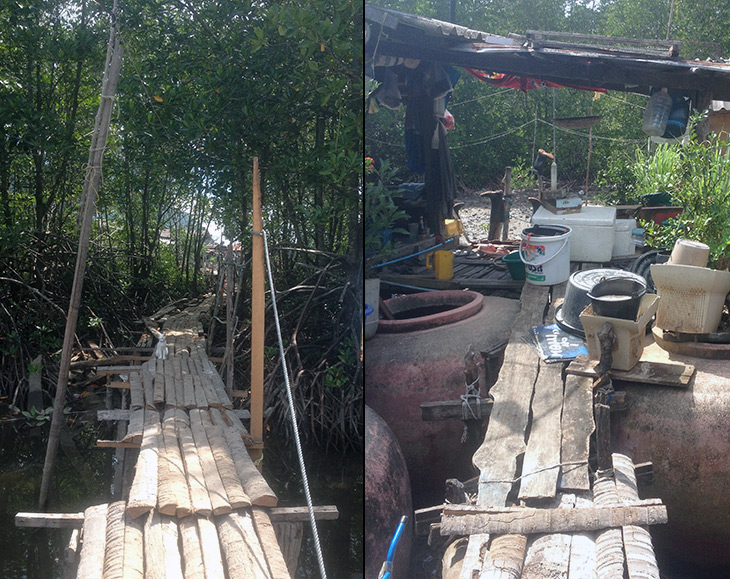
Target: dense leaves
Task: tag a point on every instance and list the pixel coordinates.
(205, 88)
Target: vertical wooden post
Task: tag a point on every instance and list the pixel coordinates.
(507, 202)
(257, 313)
(230, 282)
(89, 194)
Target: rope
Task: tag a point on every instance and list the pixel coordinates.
(292, 412)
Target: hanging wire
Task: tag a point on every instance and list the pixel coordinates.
(292, 412)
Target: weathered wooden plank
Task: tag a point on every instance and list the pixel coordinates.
(301, 514)
(143, 493)
(133, 548)
(289, 536)
(549, 555)
(50, 520)
(576, 426)
(173, 497)
(114, 548)
(506, 557)
(476, 553)
(116, 444)
(540, 467)
(193, 566)
(609, 544)
(158, 392)
(241, 561)
(450, 409)
(254, 485)
(148, 385)
(211, 547)
(213, 482)
(91, 558)
(640, 558)
(136, 391)
(269, 544)
(199, 498)
(135, 428)
(582, 549)
(170, 388)
(244, 522)
(172, 562)
(188, 383)
(179, 384)
(117, 370)
(154, 546)
(496, 458)
(645, 372)
(226, 467)
(525, 520)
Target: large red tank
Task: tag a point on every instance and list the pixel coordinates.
(387, 498)
(686, 434)
(404, 369)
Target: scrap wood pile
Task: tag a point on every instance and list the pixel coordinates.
(239, 545)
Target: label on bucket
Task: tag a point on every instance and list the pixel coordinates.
(532, 252)
(534, 272)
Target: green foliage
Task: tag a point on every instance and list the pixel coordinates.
(381, 216)
(620, 181)
(659, 171)
(698, 177)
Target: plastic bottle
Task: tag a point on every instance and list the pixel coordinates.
(554, 176)
(657, 114)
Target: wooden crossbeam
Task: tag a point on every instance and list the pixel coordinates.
(527, 521)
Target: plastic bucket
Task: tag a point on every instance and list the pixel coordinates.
(514, 265)
(545, 251)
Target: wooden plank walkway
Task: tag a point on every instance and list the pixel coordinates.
(534, 469)
(194, 505)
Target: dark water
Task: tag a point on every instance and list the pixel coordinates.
(334, 479)
(83, 475)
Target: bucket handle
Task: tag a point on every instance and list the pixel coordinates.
(429, 258)
(525, 260)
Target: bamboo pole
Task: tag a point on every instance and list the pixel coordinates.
(89, 193)
(257, 313)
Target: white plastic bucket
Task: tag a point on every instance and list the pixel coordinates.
(545, 251)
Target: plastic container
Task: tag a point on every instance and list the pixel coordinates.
(576, 299)
(688, 252)
(514, 265)
(617, 297)
(545, 251)
(593, 231)
(629, 344)
(692, 297)
(442, 264)
(622, 242)
(656, 114)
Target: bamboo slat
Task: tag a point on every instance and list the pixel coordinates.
(609, 546)
(91, 558)
(170, 389)
(148, 385)
(136, 390)
(242, 562)
(158, 392)
(172, 562)
(179, 387)
(135, 429)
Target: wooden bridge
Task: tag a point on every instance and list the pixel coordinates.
(194, 503)
(539, 510)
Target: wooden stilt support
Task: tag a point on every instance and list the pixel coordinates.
(258, 321)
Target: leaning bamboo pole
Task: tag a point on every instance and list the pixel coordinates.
(89, 194)
(257, 313)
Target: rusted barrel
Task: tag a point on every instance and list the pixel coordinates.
(387, 498)
(425, 363)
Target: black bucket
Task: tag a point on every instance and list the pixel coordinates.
(617, 297)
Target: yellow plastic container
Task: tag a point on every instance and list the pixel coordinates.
(630, 334)
(453, 227)
(442, 264)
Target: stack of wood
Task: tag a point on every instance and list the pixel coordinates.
(239, 544)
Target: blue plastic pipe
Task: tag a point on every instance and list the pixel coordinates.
(388, 565)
